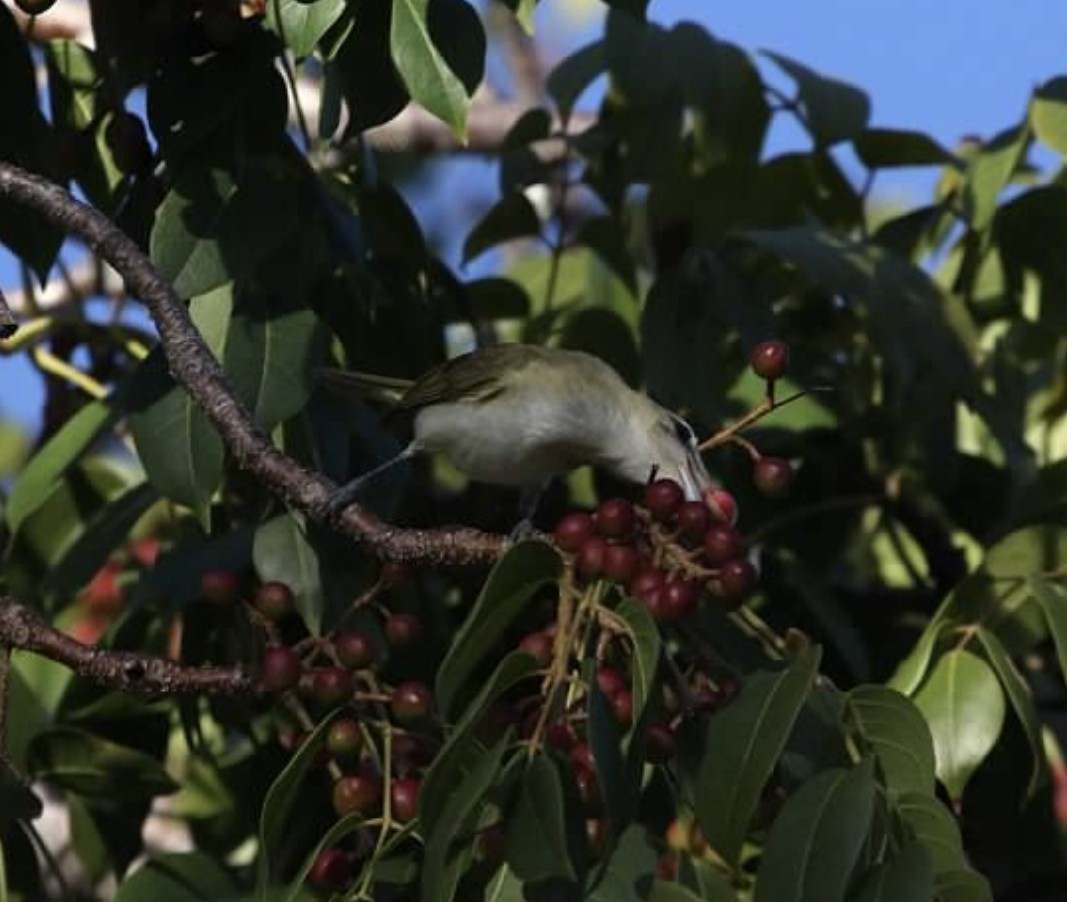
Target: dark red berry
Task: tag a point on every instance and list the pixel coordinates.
(588, 789)
(647, 581)
(331, 871)
(573, 531)
(609, 680)
(281, 669)
(356, 649)
(404, 797)
(663, 498)
(621, 563)
(273, 600)
(393, 574)
(722, 505)
(662, 744)
(403, 630)
(491, 843)
(622, 704)
(773, 476)
(411, 702)
(737, 579)
(591, 558)
(655, 601)
(344, 739)
(693, 518)
(219, 587)
(582, 756)
(332, 686)
(409, 753)
(359, 793)
(562, 735)
(770, 359)
(722, 543)
(615, 519)
(538, 646)
(681, 597)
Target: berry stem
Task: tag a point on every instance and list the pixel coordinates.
(756, 626)
(728, 433)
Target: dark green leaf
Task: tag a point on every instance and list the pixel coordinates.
(603, 236)
(178, 877)
(296, 891)
(645, 660)
(1048, 114)
(885, 148)
(604, 334)
(532, 126)
(573, 75)
(17, 800)
(363, 68)
(602, 730)
(935, 827)
(891, 727)
(907, 877)
(989, 172)
(496, 298)
(629, 874)
(36, 482)
(962, 886)
(87, 840)
(81, 762)
(662, 891)
(833, 110)
(281, 551)
(1022, 702)
(964, 705)
(512, 583)
(816, 840)
(744, 743)
(912, 670)
(512, 217)
(300, 24)
(535, 837)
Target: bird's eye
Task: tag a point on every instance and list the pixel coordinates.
(682, 431)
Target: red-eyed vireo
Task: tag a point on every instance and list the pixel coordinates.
(517, 415)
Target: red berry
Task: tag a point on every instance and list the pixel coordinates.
(722, 543)
(582, 756)
(356, 649)
(573, 531)
(538, 646)
(591, 557)
(274, 600)
(344, 739)
(647, 581)
(219, 586)
(331, 871)
(770, 359)
(393, 574)
(737, 579)
(404, 796)
(588, 789)
(621, 563)
(655, 601)
(663, 498)
(409, 753)
(103, 595)
(615, 519)
(693, 518)
(773, 476)
(403, 630)
(681, 597)
(281, 669)
(562, 735)
(722, 505)
(491, 843)
(610, 680)
(360, 793)
(662, 744)
(332, 686)
(622, 703)
(410, 702)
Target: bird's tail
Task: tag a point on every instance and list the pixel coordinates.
(368, 386)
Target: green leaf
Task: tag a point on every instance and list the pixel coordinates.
(912, 670)
(834, 111)
(301, 25)
(662, 891)
(78, 761)
(647, 644)
(964, 705)
(36, 482)
(427, 75)
(1022, 702)
(710, 883)
(907, 877)
(603, 235)
(744, 743)
(603, 734)
(935, 827)
(816, 840)
(962, 885)
(885, 148)
(989, 172)
(523, 570)
(629, 874)
(893, 729)
(1048, 114)
(177, 877)
(296, 891)
(535, 831)
(512, 217)
(281, 552)
(281, 796)
(568, 81)
(1052, 600)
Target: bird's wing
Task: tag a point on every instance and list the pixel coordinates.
(477, 376)
(383, 389)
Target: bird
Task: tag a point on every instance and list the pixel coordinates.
(518, 415)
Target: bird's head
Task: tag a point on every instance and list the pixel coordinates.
(673, 453)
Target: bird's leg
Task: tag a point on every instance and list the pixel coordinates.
(529, 497)
(347, 493)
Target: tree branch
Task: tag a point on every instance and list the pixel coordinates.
(197, 370)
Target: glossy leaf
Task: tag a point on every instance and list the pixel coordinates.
(885, 148)
(512, 583)
(281, 551)
(1048, 114)
(962, 886)
(512, 217)
(81, 762)
(893, 729)
(178, 877)
(744, 743)
(1022, 702)
(913, 669)
(662, 891)
(816, 840)
(535, 831)
(834, 111)
(1052, 601)
(302, 25)
(935, 827)
(568, 81)
(647, 644)
(629, 874)
(907, 877)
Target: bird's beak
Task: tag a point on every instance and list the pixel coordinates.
(695, 478)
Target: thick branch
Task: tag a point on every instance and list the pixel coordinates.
(193, 365)
(8, 324)
(21, 628)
